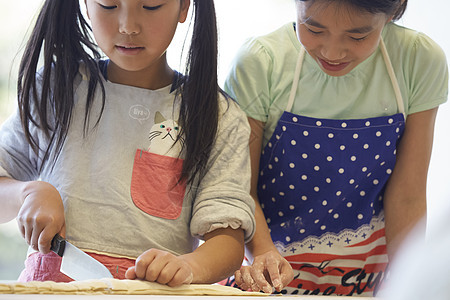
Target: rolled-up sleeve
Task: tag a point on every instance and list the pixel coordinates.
(223, 196)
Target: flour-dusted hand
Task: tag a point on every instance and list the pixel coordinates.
(162, 267)
(41, 215)
(268, 270)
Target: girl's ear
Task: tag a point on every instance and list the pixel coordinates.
(389, 19)
(185, 4)
(392, 17)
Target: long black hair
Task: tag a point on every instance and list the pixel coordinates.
(64, 37)
(62, 34)
(199, 111)
(389, 7)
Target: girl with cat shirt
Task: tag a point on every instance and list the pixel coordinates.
(129, 160)
(342, 106)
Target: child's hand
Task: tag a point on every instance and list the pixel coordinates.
(41, 215)
(162, 267)
(268, 269)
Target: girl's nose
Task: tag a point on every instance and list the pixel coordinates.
(333, 51)
(129, 24)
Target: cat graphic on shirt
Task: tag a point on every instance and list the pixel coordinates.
(163, 137)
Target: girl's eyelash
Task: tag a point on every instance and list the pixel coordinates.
(355, 39)
(107, 7)
(312, 31)
(359, 39)
(145, 7)
(152, 7)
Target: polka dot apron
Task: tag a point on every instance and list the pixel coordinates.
(321, 188)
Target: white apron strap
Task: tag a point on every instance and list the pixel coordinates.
(395, 85)
(387, 61)
(298, 70)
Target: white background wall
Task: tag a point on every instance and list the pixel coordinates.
(238, 20)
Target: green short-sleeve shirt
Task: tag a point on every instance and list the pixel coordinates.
(262, 73)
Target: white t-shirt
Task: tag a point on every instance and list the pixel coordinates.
(105, 189)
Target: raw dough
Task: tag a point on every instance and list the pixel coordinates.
(119, 287)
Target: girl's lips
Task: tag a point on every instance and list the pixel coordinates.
(333, 67)
(129, 50)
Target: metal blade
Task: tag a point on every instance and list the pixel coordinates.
(79, 266)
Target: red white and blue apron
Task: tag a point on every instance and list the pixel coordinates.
(321, 188)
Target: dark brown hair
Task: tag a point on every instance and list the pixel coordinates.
(389, 7)
(63, 36)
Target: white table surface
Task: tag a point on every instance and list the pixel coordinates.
(167, 297)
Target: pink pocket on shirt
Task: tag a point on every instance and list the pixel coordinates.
(154, 184)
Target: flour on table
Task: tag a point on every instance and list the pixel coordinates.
(119, 287)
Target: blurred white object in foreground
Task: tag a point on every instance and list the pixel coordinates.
(422, 268)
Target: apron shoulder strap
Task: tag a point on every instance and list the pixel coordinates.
(395, 85)
(387, 61)
(298, 70)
